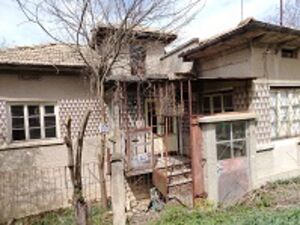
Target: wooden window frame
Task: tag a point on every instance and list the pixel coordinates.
(26, 120)
(211, 103)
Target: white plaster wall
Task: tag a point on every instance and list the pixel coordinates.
(268, 64)
(154, 51)
(227, 65)
(45, 156)
(281, 162)
(35, 178)
(47, 87)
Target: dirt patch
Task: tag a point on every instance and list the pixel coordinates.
(280, 194)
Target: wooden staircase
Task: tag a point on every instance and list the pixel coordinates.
(173, 178)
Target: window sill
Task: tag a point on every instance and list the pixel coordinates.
(32, 144)
(265, 148)
(227, 117)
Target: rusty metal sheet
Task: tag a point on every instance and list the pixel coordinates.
(233, 179)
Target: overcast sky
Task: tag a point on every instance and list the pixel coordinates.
(215, 17)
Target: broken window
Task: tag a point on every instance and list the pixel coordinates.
(217, 103)
(285, 112)
(137, 52)
(231, 140)
(32, 121)
(289, 53)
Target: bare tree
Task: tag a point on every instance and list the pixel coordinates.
(100, 30)
(290, 14)
(74, 165)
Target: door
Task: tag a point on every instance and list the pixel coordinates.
(233, 162)
(164, 129)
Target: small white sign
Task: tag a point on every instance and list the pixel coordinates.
(104, 128)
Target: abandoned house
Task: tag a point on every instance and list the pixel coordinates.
(210, 119)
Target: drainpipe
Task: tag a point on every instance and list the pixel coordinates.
(195, 152)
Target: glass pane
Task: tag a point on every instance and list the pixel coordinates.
(17, 110)
(239, 148)
(50, 132)
(273, 99)
(284, 113)
(284, 98)
(34, 122)
(295, 129)
(49, 109)
(18, 135)
(273, 115)
(223, 151)
(283, 129)
(17, 122)
(217, 104)
(296, 112)
(273, 130)
(223, 132)
(228, 102)
(239, 129)
(35, 133)
(50, 121)
(206, 105)
(33, 110)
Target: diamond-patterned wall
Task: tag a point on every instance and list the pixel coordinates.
(241, 99)
(260, 104)
(3, 122)
(76, 109)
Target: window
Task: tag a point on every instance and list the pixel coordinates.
(137, 54)
(289, 53)
(231, 140)
(160, 124)
(217, 103)
(285, 112)
(152, 118)
(32, 121)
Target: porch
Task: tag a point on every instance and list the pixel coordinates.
(158, 120)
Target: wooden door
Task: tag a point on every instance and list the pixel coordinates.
(233, 162)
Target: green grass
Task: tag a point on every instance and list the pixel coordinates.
(97, 216)
(232, 216)
(276, 203)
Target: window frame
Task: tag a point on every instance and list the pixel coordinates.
(233, 140)
(289, 53)
(211, 97)
(291, 118)
(26, 120)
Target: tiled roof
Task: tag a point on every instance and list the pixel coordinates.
(50, 54)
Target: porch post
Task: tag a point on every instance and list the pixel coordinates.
(195, 151)
(196, 159)
(117, 169)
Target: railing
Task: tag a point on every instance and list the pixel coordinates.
(139, 151)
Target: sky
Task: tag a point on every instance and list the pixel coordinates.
(215, 17)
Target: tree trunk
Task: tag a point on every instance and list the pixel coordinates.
(81, 210)
(101, 160)
(75, 167)
(104, 202)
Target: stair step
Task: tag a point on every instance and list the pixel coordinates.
(181, 181)
(178, 172)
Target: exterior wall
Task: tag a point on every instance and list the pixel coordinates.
(34, 174)
(275, 159)
(213, 169)
(235, 64)
(154, 50)
(267, 63)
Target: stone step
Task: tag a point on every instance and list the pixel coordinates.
(179, 172)
(180, 182)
